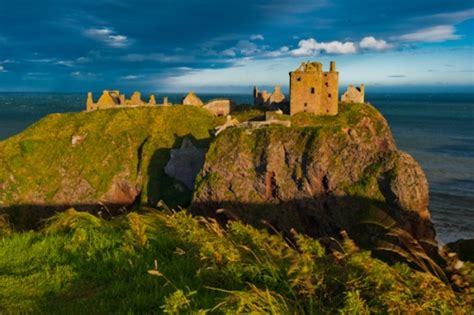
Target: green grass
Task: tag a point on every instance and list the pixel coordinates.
(83, 264)
(41, 166)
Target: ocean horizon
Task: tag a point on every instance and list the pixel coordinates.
(435, 128)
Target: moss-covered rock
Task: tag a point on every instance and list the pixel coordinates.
(111, 157)
(322, 175)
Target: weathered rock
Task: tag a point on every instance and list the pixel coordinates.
(185, 163)
(97, 161)
(320, 176)
(464, 248)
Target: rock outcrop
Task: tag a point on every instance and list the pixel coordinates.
(320, 176)
(97, 161)
(185, 163)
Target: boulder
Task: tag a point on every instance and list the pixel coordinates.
(185, 163)
(320, 176)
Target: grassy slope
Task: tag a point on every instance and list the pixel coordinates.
(82, 264)
(40, 165)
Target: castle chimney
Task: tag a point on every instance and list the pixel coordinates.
(332, 66)
(362, 89)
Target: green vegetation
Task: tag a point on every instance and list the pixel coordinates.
(42, 165)
(245, 113)
(171, 262)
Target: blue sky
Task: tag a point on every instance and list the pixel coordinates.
(229, 46)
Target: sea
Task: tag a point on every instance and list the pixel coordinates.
(437, 129)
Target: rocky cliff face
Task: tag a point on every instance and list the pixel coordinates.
(102, 160)
(321, 176)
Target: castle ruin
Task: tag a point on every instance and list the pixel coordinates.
(264, 98)
(354, 95)
(192, 99)
(218, 107)
(110, 99)
(314, 91)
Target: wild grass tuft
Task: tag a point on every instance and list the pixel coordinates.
(171, 262)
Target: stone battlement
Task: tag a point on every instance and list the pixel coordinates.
(110, 99)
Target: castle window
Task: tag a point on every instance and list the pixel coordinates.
(312, 90)
(329, 95)
(305, 104)
(298, 79)
(327, 84)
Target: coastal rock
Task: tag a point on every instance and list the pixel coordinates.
(320, 176)
(185, 163)
(53, 165)
(464, 248)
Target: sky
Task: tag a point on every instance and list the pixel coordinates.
(229, 46)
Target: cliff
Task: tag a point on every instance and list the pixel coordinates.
(320, 176)
(98, 161)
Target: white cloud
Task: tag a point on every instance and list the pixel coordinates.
(257, 37)
(278, 53)
(230, 52)
(82, 75)
(247, 48)
(107, 36)
(131, 77)
(310, 47)
(2, 69)
(370, 43)
(433, 34)
(65, 63)
(155, 57)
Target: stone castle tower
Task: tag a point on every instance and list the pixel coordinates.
(314, 91)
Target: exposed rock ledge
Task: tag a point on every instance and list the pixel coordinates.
(320, 176)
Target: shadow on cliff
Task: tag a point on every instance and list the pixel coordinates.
(323, 218)
(160, 186)
(156, 187)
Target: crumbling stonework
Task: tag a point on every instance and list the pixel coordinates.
(110, 99)
(152, 100)
(220, 107)
(136, 98)
(354, 94)
(314, 91)
(192, 99)
(267, 99)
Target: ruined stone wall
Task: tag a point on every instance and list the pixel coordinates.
(354, 94)
(136, 99)
(108, 99)
(220, 107)
(192, 99)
